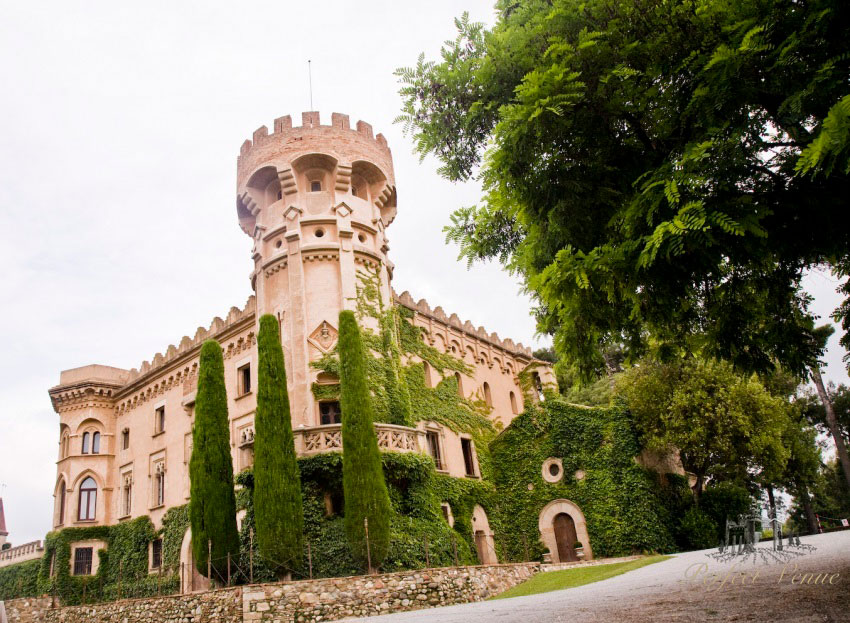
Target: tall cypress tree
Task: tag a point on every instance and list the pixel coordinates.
(364, 487)
(277, 484)
(212, 506)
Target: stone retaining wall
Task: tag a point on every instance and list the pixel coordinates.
(308, 601)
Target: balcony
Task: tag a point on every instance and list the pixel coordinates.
(328, 438)
(27, 551)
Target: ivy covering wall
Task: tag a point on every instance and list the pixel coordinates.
(126, 554)
(416, 492)
(619, 498)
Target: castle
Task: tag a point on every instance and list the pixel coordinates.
(316, 201)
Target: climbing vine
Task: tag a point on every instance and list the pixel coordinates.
(597, 447)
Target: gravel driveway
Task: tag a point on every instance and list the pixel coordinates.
(689, 587)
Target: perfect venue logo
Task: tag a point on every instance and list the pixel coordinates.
(741, 542)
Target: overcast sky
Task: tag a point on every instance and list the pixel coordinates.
(120, 124)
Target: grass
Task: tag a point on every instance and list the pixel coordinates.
(569, 578)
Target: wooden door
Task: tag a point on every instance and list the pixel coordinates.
(565, 537)
(481, 546)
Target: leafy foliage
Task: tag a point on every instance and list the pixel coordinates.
(19, 580)
(212, 505)
(724, 425)
(659, 174)
(365, 490)
(617, 497)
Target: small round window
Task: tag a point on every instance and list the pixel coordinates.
(320, 233)
(552, 470)
(361, 237)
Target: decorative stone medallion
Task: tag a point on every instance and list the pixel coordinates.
(323, 337)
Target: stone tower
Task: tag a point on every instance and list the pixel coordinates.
(316, 199)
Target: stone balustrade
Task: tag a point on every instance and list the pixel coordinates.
(20, 553)
(328, 438)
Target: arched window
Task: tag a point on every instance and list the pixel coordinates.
(63, 449)
(60, 517)
(88, 500)
(514, 408)
(315, 186)
(427, 369)
(488, 397)
(459, 384)
(95, 443)
(85, 448)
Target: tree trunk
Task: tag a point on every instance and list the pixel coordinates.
(811, 520)
(832, 424)
(772, 500)
(698, 489)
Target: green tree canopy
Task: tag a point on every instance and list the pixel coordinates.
(277, 484)
(724, 425)
(212, 504)
(363, 483)
(662, 170)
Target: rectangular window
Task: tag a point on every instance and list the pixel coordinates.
(243, 379)
(127, 495)
(159, 420)
(82, 561)
(125, 438)
(330, 412)
(156, 554)
(433, 438)
(468, 460)
(159, 486)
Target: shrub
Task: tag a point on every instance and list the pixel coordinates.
(277, 492)
(364, 488)
(212, 504)
(697, 530)
(725, 500)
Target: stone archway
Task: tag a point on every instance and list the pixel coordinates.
(553, 524)
(191, 581)
(485, 544)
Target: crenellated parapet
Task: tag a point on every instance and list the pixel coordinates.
(187, 344)
(480, 333)
(281, 165)
(175, 366)
(338, 137)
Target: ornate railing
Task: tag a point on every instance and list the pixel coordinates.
(27, 551)
(328, 438)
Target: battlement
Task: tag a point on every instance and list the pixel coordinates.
(333, 136)
(437, 313)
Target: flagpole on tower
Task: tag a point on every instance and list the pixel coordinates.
(310, 78)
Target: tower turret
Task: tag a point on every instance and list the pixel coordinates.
(316, 200)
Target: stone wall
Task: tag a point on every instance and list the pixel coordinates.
(27, 609)
(308, 601)
(336, 598)
(220, 606)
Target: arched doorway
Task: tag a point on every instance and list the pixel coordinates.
(485, 544)
(562, 525)
(565, 537)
